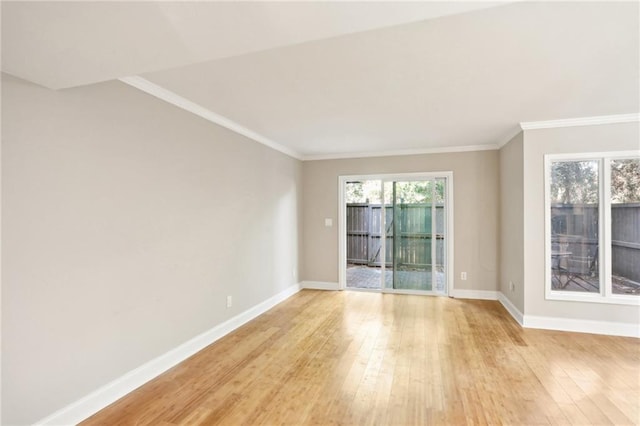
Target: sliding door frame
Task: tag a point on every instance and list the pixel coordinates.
(342, 226)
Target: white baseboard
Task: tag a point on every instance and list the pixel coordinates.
(570, 324)
(320, 285)
(460, 293)
(511, 308)
(582, 326)
(111, 392)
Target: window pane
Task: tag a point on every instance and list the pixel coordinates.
(363, 192)
(625, 226)
(574, 226)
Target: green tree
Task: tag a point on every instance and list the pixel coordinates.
(367, 191)
(406, 192)
(574, 182)
(354, 192)
(625, 181)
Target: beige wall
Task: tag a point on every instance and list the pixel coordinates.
(475, 176)
(126, 223)
(511, 221)
(537, 143)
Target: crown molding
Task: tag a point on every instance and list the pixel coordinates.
(368, 154)
(583, 121)
(159, 92)
(187, 105)
(512, 134)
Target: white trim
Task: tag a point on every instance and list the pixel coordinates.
(383, 236)
(582, 121)
(449, 242)
(569, 324)
(364, 290)
(572, 296)
(582, 326)
(398, 176)
(400, 152)
(580, 156)
(511, 308)
(461, 293)
(547, 226)
(187, 105)
(605, 253)
(342, 233)
(411, 292)
(173, 98)
(507, 140)
(111, 392)
(320, 285)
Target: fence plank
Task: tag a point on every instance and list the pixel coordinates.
(577, 226)
(414, 234)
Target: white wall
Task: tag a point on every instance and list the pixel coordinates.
(511, 221)
(476, 185)
(126, 223)
(537, 143)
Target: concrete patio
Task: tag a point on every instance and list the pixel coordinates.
(367, 277)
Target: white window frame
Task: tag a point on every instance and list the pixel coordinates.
(604, 229)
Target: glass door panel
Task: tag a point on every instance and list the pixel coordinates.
(413, 246)
(364, 242)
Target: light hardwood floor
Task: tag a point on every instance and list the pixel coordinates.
(368, 358)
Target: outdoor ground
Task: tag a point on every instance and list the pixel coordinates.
(587, 283)
(362, 276)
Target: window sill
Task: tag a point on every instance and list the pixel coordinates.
(567, 296)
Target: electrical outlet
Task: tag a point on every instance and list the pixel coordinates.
(463, 276)
(229, 301)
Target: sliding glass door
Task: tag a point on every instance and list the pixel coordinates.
(419, 235)
(396, 233)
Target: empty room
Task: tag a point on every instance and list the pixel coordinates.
(331, 213)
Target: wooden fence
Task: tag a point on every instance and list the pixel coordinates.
(364, 236)
(576, 226)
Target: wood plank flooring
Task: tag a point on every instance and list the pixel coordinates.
(372, 359)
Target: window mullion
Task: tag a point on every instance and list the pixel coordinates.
(604, 239)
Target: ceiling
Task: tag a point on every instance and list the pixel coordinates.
(322, 80)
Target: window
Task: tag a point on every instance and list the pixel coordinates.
(593, 227)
